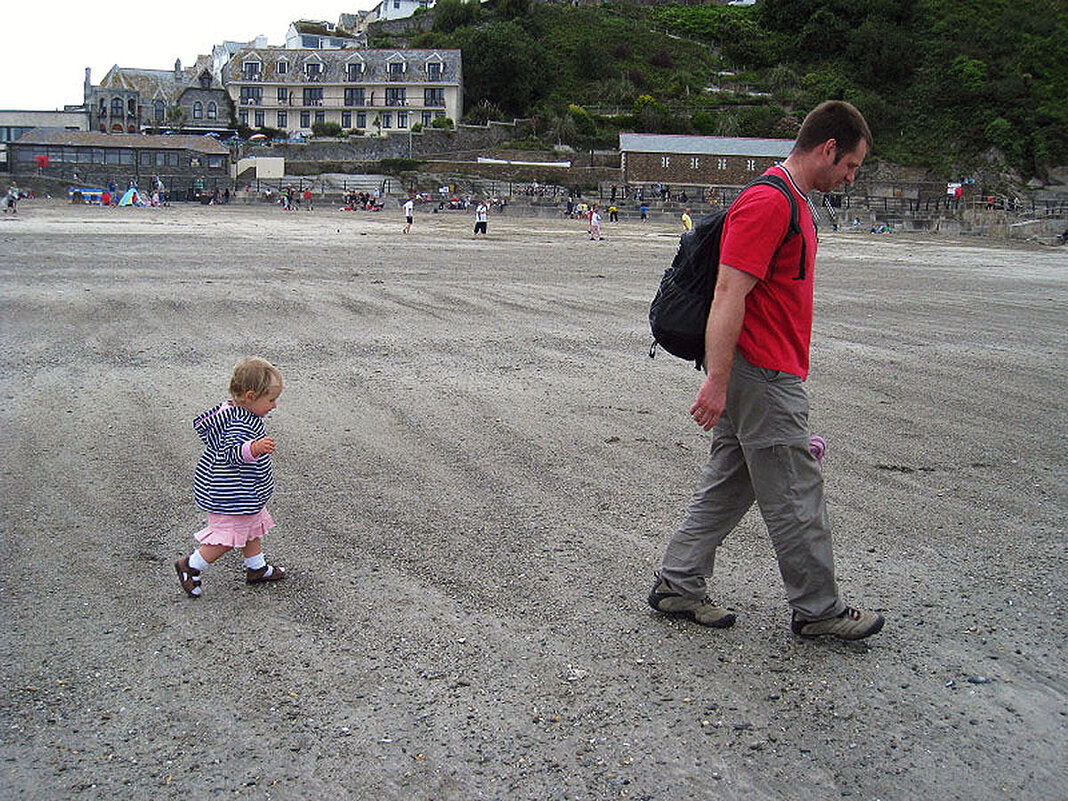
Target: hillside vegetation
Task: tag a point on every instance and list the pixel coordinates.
(945, 84)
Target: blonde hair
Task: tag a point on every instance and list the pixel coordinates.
(256, 375)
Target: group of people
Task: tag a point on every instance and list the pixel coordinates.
(291, 199)
(752, 398)
(362, 201)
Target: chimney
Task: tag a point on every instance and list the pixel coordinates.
(177, 68)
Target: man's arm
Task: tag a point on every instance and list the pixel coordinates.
(721, 335)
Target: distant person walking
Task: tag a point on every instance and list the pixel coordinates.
(643, 210)
(233, 479)
(481, 218)
(595, 222)
(687, 221)
(409, 214)
(11, 199)
(756, 360)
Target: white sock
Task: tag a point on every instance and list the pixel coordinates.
(256, 562)
(196, 561)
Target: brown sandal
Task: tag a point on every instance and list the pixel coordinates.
(265, 573)
(187, 577)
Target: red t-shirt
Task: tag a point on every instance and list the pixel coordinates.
(777, 328)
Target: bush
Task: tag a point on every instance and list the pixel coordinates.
(443, 122)
(326, 129)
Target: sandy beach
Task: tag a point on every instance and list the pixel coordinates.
(477, 466)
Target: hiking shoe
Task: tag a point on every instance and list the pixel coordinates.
(699, 610)
(851, 624)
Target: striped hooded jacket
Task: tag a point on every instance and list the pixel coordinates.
(224, 482)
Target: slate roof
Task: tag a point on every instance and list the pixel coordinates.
(62, 138)
(152, 84)
(705, 145)
(334, 62)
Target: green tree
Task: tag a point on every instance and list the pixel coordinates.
(452, 14)
(504, 66)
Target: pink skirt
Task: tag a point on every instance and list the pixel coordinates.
(235, 531)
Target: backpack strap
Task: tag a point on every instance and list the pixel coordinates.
(794, 226)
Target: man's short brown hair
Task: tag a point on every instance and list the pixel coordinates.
(837, 120)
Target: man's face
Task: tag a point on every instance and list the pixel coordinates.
(842, 167)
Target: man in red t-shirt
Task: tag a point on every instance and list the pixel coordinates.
(756, 358)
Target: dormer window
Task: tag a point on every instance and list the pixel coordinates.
(283, 67)
(396, 70)
(205, 80)
(250, 70)
(313, 70)
(354, 70)
(433, 71)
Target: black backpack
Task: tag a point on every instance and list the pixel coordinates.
(679, 312)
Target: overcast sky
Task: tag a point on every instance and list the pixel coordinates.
(47, 47)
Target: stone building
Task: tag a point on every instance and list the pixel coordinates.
(377, 91)
(130, 100)
(96, 158)
(697, 160)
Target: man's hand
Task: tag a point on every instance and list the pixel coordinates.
(711, 400)
(262, 446)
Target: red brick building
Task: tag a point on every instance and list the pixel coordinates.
(675, 160)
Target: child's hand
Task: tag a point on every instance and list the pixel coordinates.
(262, 446)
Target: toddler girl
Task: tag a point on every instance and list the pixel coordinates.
(233, 479)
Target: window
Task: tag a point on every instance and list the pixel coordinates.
(695, 163)
(213, 111)
(131, 106)
(205, 81)
(126, 157)
(283, 96)
(145, 158)
(242, 117)
(354, 97)
(250, 70)
(194, 161)
(433, 71)
(395, 97)
(346, 119)
(161, 158)
(361, 119)
(434, 97)
(251, 95)
(159, 110)
(396, 70)
(314, 70)
(313, 97)
(402, 119)
(305, 119)
(259, 118)
(354, 71)
(721, 164)
(116, 107)
(309, 42)
(396, 4)
(283, 120)
(198, 110)
(665, 161)
(283, 67)
(387, 119)
(172, 159)
(320, 116)
(750, 164)
(427, 117)
(215, 162)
